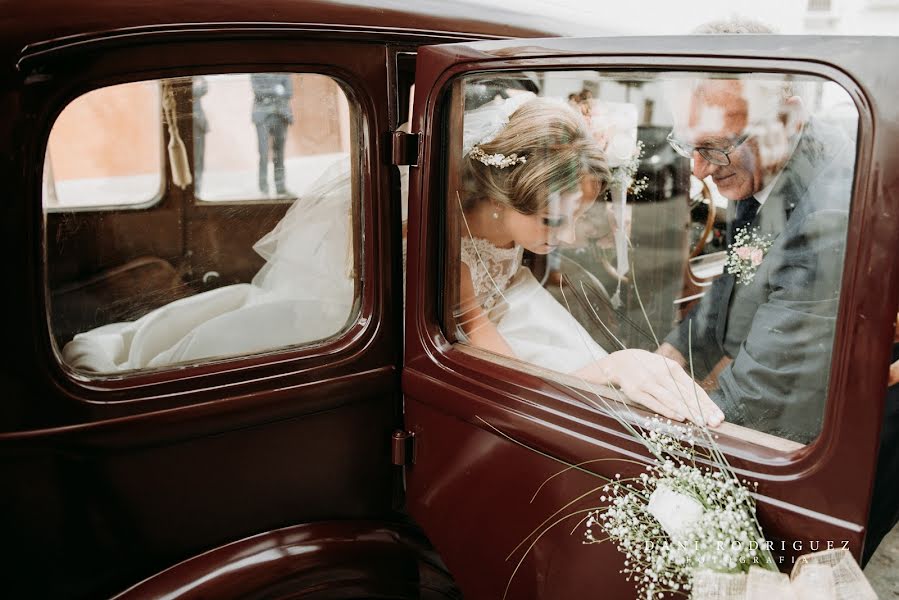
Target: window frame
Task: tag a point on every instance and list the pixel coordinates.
(747, 441)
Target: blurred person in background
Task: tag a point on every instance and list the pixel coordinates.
(272, 115)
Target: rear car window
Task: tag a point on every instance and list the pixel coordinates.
(199, 218)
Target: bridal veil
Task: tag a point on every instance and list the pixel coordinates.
(303, 294)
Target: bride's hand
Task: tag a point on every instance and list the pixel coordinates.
(659, 384)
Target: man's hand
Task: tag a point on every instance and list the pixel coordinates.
(669, 351)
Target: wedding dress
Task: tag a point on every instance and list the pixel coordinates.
(303, 294)
(536, 326)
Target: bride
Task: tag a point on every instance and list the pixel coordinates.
(531, 170)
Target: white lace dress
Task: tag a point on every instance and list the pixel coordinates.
(538, 329)
(491, 268)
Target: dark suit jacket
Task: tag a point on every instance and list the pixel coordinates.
(271, 97)
(779, 328)
(200, 88)
(885, 497)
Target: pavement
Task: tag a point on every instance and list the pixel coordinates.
(883, 568)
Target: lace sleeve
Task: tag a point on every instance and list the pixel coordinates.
(469, 257)
(491, 268)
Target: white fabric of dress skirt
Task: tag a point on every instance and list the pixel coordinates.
(540, 330)
(303, 294)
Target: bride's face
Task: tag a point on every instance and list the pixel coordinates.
(554, 225)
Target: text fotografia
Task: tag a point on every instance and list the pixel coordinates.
(753, 557)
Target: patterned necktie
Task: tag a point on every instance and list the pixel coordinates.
(746, 211)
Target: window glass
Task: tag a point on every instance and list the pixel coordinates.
(106, 149)
(176, 282)
(598, 221)
(265, 135)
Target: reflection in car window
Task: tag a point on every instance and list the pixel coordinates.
(292, 127)
(177, 282)
(580, 242)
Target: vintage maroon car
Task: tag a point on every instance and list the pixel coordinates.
(365, 451)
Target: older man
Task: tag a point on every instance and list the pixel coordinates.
(778, 329)
(771, 318)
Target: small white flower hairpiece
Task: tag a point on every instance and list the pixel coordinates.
(500, 161)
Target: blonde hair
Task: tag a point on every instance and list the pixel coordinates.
(559, 151)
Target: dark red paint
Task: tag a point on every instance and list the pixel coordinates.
(272, 475)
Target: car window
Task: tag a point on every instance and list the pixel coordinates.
(266, 260)
(703, 214)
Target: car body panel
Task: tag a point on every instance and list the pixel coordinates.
(326, 559)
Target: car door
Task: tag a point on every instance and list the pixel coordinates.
(112, 475)
(492, 432)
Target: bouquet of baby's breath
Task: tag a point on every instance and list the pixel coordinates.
(685, 513)
(678, 516)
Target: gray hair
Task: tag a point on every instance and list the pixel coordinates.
(737, 24)
(734, 25)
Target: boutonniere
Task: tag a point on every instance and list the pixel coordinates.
(746, 253)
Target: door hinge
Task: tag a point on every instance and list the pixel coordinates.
(404, 148)
(403, 448)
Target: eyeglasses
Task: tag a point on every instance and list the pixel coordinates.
(716, 156)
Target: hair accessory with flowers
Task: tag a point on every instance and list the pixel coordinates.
(484, 123)
(746, 253)
(500, 161)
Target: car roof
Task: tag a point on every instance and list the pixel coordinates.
(29, 26)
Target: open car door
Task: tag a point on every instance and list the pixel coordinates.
(491, 431)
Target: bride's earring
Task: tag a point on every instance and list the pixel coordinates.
(495, 214)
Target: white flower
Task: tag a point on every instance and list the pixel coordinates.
(676, 512)
(614, 126)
